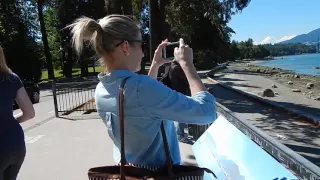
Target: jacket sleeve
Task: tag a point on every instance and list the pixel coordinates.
(159, 101)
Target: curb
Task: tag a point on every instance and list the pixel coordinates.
(290, 159)
(45, 120)
(309, 117)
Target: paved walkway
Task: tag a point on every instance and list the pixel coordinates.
(66, 149)
(301, 137)
(255, 84)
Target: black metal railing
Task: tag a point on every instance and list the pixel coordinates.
(74, 97)
(300, 166)
(297, 164)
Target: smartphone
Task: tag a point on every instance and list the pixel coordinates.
(168, 50)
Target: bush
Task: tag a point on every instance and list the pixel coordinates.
(205, 59)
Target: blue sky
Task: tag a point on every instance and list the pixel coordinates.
(269, 21)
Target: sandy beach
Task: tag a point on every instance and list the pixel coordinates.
(299, 93)
(307, 85)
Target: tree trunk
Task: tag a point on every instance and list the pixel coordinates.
(163, 26)
(45, 41)
(62, 52)
(65, 17)
(84, 62)
(84, 68)
(127, 7)
(153, 27)
(113, 6)
(69, 63)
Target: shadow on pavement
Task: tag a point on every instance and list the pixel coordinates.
(239, 85)
(307, 151)
(276, 123)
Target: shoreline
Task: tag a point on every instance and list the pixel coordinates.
(256, 63)
(312, 69)
(307, 85)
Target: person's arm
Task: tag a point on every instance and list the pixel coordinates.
(194, 80)
(22, 100)
(25, 105)
(184, 56)
(157, 60)
(161, 102)
(153, 71)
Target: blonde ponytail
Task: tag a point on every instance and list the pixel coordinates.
(83, 29)
(104, 34)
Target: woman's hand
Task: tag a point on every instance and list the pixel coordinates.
(184, 54)
(157, 58)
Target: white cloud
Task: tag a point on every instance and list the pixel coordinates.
(272, 40)
(256, 43)
(284, 38)
(268, 39)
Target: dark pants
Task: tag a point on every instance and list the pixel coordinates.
(180, 129)
(11, 160)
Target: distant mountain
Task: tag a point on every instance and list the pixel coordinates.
(310, 38)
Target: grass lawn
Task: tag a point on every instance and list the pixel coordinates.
(75, 71)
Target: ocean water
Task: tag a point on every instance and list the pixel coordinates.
(301, 64)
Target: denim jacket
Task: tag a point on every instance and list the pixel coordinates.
(147, 103)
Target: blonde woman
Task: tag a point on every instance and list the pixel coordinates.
(12, 145)
(117, 41)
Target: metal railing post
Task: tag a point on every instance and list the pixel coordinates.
(54, 92)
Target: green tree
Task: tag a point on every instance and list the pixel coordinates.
(203, 23)
(51, 21)
(247, 50)
(259, 52)
(22, 51)
(45, 39)
(235, 53)
(119, 7)
(289, 49)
